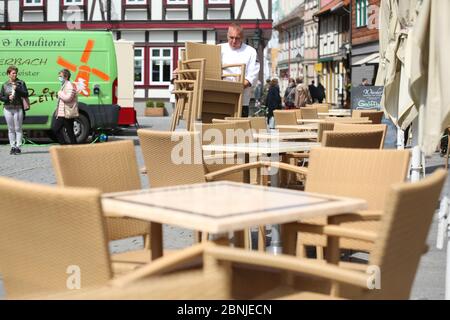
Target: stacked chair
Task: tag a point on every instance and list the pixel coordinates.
(213, 93)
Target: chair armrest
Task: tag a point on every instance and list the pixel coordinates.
(174, 261)
(254, 165)
(227, 171)
(289, 263)
(233, 65)
(286, 167)
(336, 231)
(363, 215)
(191, 61)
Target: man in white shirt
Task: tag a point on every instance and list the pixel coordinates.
(237, 52)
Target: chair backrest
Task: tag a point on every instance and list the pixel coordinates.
(350, 127)
(285, 118)
(360, 140)
(348, 120)
(212, 54)
(374, 115)
(358, 173)
(402, 236)
(110, 167)
(226, 132)
(309, 113)
(324, 126)
(322, 107)
(257, 123)
(172, 158)
(49, 233)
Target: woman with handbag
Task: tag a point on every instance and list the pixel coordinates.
(67, 108)
(13, 93)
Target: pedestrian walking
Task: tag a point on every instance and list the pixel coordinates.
(14, 94)
(273, 101)
(302, 96)
(67, 109)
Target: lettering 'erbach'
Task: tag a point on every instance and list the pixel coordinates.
(23, 62)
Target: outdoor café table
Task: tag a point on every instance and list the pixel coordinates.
(274, 148)
(316, 121)
(302, 135)
(221, 207)
(336, 113)
(299, 127)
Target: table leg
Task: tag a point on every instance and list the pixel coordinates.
(275, 242)
(156, 243)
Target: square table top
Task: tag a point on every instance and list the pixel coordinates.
(302, 135)
(224, 206)
(263, 147)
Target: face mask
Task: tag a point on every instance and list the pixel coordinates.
(61, 79)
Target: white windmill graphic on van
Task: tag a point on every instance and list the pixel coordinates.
(84, 70)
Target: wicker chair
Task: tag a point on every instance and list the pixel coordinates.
(309, 113)
(285, 118)
(65, 232)
(398, 246)
(374, 115)
(348, 127)
(110, 167)
(217, 98)
(366, 174)
(324, 126)
(257, 123)
(361, 140)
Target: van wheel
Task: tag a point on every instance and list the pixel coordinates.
(81, 128)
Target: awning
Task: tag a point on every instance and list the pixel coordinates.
(374, 58)
(335, 4)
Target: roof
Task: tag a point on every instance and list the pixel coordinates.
(333, 4)
(297, 13)
(374, 58)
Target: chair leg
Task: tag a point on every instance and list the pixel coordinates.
(262, 238)
(289, 238)
(319, 253)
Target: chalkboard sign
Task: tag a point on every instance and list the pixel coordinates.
(367, 97)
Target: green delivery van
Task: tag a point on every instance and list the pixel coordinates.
(91, 58)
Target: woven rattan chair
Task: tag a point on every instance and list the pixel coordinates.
(48, 234)
(110, 167)
(257, 123)
(309, 113)
(324, 126)
(366, 174)
(217, 98)
(398, 247)
(285, 118)
(361, 140)
(374, 115)
(348, 127)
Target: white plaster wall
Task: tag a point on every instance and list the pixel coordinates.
(198, 9)
(140, 14)
(157, 9)
(211, 37)
(177, 15)
(53, 11)
(192, 36)
(219, 14)
(13, 10)
(158, 93)
(251, 11)
(136, 36)
(116, 9)
(161, 36)
(33, 16)
(139, 93)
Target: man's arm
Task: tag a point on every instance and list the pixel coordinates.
(251, 70)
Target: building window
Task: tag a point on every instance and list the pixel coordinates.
(139, 66)
(72, 2)
(177, 1)
(161, 65)
(136, 2)
(33, 3)
(362, 11)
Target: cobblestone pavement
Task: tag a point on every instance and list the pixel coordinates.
(34, 165)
